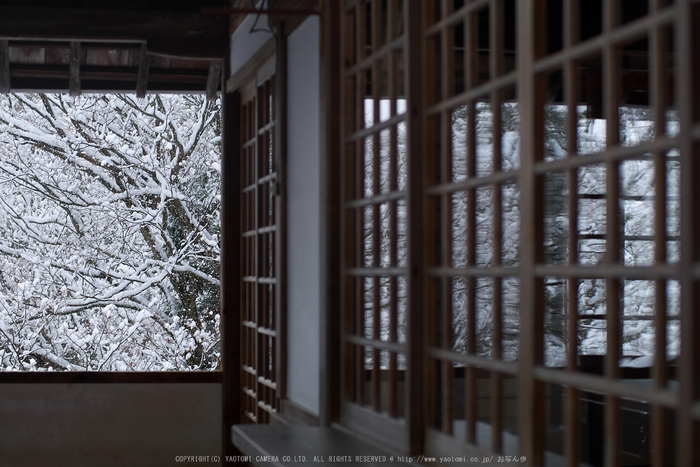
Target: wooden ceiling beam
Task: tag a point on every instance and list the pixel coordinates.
(265, 11)
(172, 33)
(4, 67)
(40, 84)
(110, 72)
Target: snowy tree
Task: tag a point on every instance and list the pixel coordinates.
(485, 288)
(637, 180)
(109, 232)
(384, 226)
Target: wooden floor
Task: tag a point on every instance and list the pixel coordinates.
(280, 445)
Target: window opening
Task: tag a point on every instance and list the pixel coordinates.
(109, 232)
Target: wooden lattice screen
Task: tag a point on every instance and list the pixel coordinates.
(519, 242)
(258, 254)
(374, 213)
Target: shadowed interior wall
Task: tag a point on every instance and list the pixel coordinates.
(119, 424)
(303, 216)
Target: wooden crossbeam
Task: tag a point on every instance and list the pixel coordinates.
(74, 69)
(142, 79)
(213, 79)
(4, 67)
(265, 11)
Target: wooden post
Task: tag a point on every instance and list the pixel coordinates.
(415, 412)
(531, 98)
(280, 156)
(687, 100)
(4, 67)
(230, 268)
(213, 79)
(330, 209)
(142, 77)
(74, 69)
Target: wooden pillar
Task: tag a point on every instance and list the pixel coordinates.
(230, 268)
(280, 156)
(4, 67)
(417, 384)
(530, 41)
(330, 390)
(687, 100)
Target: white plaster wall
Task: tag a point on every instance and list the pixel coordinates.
(75, 425)
(245, 44)
(303, 216)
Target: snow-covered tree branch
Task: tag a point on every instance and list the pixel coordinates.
(109, 232)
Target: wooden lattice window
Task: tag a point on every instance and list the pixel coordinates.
(534, 188)
(473, 197)
(259, 330)
(374, 194)
(604, 172)
(556, 205)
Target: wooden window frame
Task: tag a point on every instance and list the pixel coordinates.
(257, 98)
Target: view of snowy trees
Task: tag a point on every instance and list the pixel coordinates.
(638, 178)
(109, 232)
(637, 182)
(509, 199)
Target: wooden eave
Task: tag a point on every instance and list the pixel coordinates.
(104, 46)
